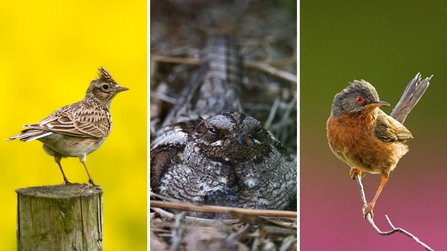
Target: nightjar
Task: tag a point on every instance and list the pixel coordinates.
(210, 152)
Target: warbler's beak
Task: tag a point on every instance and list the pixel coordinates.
(379, 103)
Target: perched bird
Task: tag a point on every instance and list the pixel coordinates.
(78, 129)
(364, 137)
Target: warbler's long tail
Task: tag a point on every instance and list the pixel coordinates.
(414, 91)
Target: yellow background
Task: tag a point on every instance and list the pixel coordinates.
(49, 53)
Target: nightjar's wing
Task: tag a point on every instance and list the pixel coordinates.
(272, 183)
(182, 169)
(167, 149)
(77, 120)
(280, 148)
(389, 129)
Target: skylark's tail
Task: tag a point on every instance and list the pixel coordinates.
(30, 134)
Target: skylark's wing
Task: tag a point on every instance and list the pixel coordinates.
(78, 120)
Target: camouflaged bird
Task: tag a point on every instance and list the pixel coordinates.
(78, 129)
(210, 152)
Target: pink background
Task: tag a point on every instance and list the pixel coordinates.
(385, 43)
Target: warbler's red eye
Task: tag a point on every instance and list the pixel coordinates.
(360, 100)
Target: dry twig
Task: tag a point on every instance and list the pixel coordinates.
(222, 210)
(176, 60)
(248, 232)
(177, 232)
(272, 71)
(394, 229)
(256, 65)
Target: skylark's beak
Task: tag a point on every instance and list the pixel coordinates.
(121, 89)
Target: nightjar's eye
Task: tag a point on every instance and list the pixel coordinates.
(258, 129)
(105, 87)
(360, 100)
(212, 130)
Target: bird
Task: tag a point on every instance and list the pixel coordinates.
(226, 160)
(210, 152)
(366, 138)
(77, 129)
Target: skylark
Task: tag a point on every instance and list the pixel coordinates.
(78, 129)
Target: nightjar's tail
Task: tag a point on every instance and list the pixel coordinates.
(30, 134)
(214, 87)
(414, 91)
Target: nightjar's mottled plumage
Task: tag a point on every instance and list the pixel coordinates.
(78, 129)
(214, 87)
(210, 152)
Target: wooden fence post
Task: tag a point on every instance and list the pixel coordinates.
(61, 217)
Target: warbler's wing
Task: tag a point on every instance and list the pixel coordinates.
(389, 129)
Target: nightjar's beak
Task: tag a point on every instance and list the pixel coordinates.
(121, 89)
(239, 138)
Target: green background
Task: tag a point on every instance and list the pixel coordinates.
(385, 43)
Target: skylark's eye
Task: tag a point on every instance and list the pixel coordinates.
(105, 87)
(212, 130)
(360, 100)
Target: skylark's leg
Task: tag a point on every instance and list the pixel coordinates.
(83, 159)
(57, 158)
